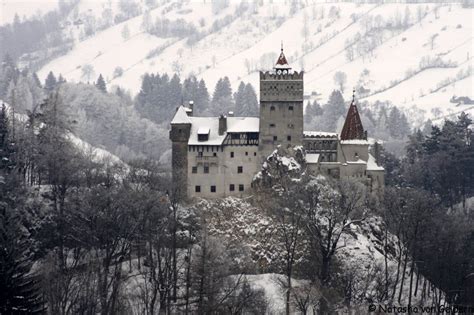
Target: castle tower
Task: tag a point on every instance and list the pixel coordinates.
(179, 136)
(281, 107)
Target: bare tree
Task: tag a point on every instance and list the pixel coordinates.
(340, 78)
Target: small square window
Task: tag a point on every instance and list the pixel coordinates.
(272, 125)
(255, 154)
(272, 108)
(195, 169)
(246, 153)
(197, 189)
(231, 187)
(206, 169)
(240, 169)
(200, 154)
(241, 187)
(288, 138)
(290, 108)
(275, 138)
(213, 189)
(215, 154)
(231, 154)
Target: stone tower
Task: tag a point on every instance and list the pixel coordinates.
(179, 136)
(281, 108)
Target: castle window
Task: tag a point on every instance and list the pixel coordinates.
(235, 136)
(246, 153)
(272, 125)
(356, 155)
(213, 189)
(275, 138)
(200, 153)
(290, 108)
(231, 187)
(195, 169)
(215, 154)
(241, 187)
(272, 108)
(255, 154)
(288, 138)
(240, 169)
(290, 126)
(231, 154)
(206, 169)
(197, 189)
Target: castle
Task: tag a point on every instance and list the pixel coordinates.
(215, 157)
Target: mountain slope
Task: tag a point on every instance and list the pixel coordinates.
(415, 55)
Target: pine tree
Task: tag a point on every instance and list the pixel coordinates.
(222, 100)
(50, 82)
(239, 98)
(201, 103)
(251, 102)
(6, 147)
(190, 89)
(334, 110)
(100, 84)
(61, 80)
(36, 80)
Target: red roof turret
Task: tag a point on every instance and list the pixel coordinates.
(353, 128)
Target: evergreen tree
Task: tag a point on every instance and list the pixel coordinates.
(6, 147)
(36, 80)
(201, 104)
(312, 110)
(251, 102)
(397, 124)
(8, 74)
(19, 293)
(190, 89)
(239, 98)
(334, 110)
(100, 84)
(50, 82)
(222, 100)
(61, 80)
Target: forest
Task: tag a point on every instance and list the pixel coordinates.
(81, 233)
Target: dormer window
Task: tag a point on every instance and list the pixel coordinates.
(203, 134)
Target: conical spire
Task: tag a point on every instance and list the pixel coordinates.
(282, 63)
(353, 128)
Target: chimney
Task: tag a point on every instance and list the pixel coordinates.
(191, 107)
(231, 114)
(222, 124)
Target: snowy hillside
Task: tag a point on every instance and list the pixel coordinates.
(417, 56)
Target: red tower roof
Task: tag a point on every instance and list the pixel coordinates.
(282, 63)
(353, 128)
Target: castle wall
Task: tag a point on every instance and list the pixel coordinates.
(223, 171)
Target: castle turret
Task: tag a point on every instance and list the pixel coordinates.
(281, 107)
(179, 136)
(353, 128)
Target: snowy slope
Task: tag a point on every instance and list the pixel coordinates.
(240, 46)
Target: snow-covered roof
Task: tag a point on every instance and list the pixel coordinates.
(312, 158)
(181, 117)
(359, 161)
(355, 141)
(319, 134)
(203, 130)
(243, 124)
(372, 165)
(210, 126)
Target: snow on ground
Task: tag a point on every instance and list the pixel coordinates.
(97, 154)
